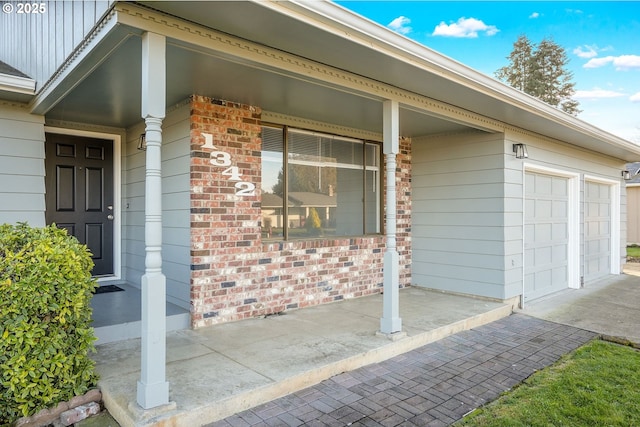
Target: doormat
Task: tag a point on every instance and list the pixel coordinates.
(108, 288)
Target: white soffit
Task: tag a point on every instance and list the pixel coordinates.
(329, 34)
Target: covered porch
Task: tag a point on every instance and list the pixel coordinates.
(224, 369)
(132, 77)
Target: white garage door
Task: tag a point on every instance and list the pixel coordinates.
(597, 230)
(546, 235)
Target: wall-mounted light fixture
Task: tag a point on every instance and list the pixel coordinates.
(521, 151)
(142, 142)
(627, 174)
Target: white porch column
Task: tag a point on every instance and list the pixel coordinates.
(391, 322)
(153, 389)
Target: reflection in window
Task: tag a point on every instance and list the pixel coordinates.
(331, 185)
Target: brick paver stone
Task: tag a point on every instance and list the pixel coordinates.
(434, 385)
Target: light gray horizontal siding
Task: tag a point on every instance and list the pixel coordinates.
(458, 221)
(21, 166)
(37, 44)
(176, 242)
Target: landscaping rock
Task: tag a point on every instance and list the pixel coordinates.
(54, 416)
(44, 417)
(79, 413)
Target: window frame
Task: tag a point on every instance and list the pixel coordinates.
(379, 181)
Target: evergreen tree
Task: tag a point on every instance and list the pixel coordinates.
(313, 224)
(518, 73)
(541, 71)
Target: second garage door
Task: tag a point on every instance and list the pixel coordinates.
(546, 234)
(597, 230)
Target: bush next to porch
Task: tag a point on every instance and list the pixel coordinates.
(45, 334)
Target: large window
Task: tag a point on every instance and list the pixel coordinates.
(331, 185)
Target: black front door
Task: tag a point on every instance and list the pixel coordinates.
(79, 198)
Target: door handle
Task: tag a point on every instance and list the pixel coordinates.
(110, 217)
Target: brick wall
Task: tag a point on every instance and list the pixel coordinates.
(403, 214)
(234, 275)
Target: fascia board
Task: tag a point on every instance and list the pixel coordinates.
(17, 84)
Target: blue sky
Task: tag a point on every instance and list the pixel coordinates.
(601, 39)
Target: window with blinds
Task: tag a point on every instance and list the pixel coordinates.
(331, 185)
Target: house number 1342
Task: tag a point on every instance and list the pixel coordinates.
(223, 159)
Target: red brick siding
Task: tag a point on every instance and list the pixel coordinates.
(234, 275)
(403, 214)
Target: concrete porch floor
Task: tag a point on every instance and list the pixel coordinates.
(221, 370)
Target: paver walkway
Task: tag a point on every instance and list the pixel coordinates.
(434, 385)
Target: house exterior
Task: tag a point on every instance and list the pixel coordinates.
(406, 157)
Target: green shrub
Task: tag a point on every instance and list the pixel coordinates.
(45, 334)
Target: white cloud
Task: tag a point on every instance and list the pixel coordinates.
(464, 27)
(534, 15)
(586, 51)
(598, 62)
(401, 25)
(635, 97)
(622, 62)
(597, 93)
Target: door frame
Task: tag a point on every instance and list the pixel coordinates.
(117, 190)
(573, 217)
(615, 218)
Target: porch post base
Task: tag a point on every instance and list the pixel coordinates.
(396, 336)
(153, 389)
(391, 322)
(154, 395)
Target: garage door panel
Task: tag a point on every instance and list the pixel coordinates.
(597, 229)
(546, 234)
(543, 280)
(605, 209)
(543, 233)
(559, 187)
(560, 231)
(543, 257)
(560, 253)
(543, 209)
(559, 274)
(542, 184)
(559, 209)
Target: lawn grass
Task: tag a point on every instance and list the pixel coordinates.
(633, 251)
(596, 385)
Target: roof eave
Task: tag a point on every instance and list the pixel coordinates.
(16, 88)
(361, 30)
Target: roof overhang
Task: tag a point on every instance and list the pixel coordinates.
(16, 88)
(314, 60)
